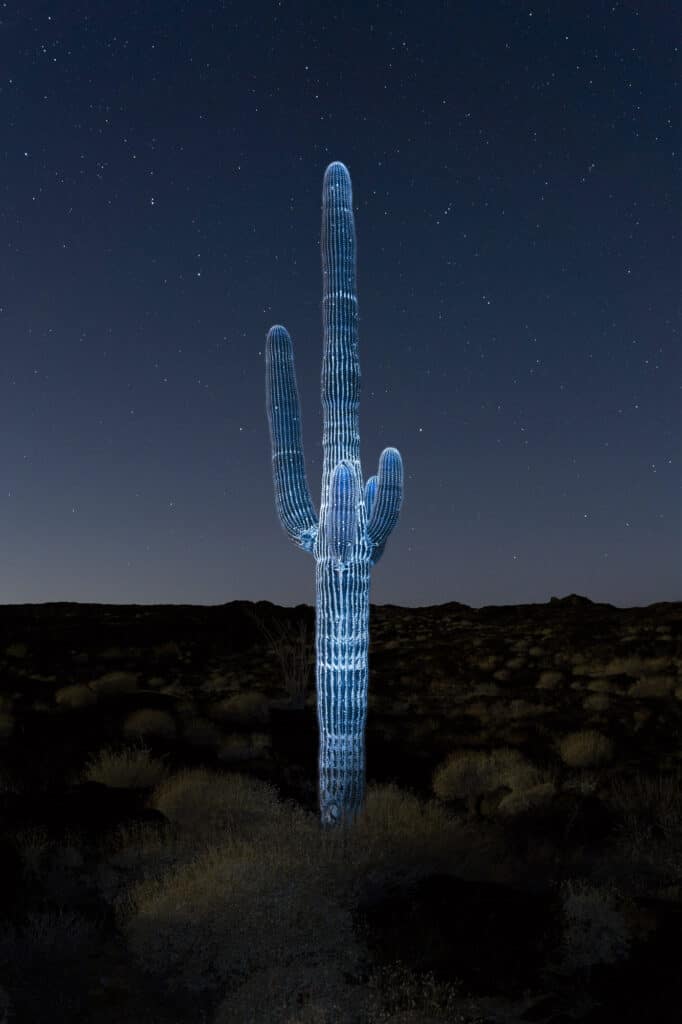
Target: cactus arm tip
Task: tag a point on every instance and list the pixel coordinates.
(387, 499)
(292, 496)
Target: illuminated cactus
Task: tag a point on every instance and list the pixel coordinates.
(349, 537)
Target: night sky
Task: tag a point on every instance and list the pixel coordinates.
(515, 173)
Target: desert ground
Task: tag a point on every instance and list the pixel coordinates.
(518, 859)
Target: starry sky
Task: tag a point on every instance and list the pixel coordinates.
(515, 174)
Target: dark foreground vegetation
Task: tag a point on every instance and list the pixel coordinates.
(519, 857)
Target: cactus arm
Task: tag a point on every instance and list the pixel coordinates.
(388, 500)
(292, 497)
(342, 513)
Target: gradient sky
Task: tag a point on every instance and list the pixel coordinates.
(516, 188)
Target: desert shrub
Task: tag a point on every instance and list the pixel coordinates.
(396, 837)
(131, 768)
(526, 799)
(653, 686)
(599, 685)
(646, 803)
(549, 680)
(75, 696)
(585, 749)
(582, 781)
(523, 709)
(33, 845)
(487, 663)
(468, 774)
(156, 682)
(208, 803)
(150, 722)
(597, 702)
(6, 725)
(634, 666)
(138, 851)
(595, 930)
(113, 683)
(242, 709)
(239, 907)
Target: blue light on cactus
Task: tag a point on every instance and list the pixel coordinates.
(353, 525)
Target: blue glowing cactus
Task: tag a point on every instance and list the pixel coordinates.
(353, 527)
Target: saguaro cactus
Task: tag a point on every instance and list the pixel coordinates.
(349, 537)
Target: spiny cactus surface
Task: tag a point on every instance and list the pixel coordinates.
(354, 522)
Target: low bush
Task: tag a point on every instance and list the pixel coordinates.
(469, 774)
(242, 709)
(586, 749)
(75, 696)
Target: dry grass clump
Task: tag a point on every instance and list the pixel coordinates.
(469, 774)
(75, 696)
(131, 768)
(242, 709)
(113, 683)
(585, 749)
(150, 722)
(33, 844)
(646, 804)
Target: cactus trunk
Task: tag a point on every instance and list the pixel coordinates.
(341, 646)
(353, 526)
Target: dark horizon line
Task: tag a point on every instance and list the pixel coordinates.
(169, 604)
